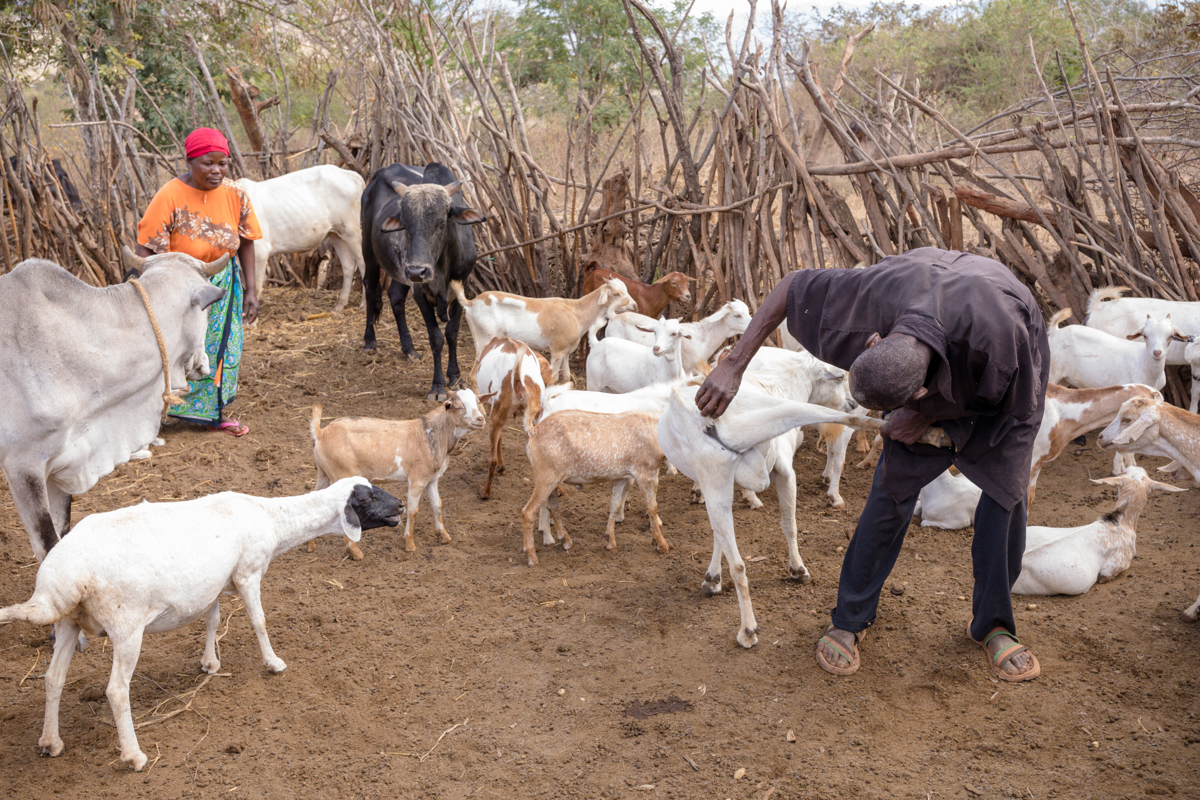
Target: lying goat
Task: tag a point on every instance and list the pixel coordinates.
(1073, 560)
(948, 501)
(158, 566)
(736, 448)
(580, 447)
(416, 450)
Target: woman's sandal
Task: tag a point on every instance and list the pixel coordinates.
(997, 661)
(233, 427)
(852, 657)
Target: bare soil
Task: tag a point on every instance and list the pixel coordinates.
(457, 671)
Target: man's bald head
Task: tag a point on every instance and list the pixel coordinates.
(887, 374)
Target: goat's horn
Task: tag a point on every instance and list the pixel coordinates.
(453, 188)
(211, 268)
(131, 261)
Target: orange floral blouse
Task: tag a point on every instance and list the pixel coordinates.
(206, 225)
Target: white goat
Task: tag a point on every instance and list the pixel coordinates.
(1090, 359)
(158, 566)
(707, 335)
(554, 324)
(1121, 316)
(413, 450)
(736, 448)
(619, 365)
(1073, 560)
(948, 501)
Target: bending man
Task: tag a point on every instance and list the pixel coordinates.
(936, 338)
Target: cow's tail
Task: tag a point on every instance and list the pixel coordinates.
(314, 426)
(41, 609)
(1058, 318)
(1103, 295)
(457, 288)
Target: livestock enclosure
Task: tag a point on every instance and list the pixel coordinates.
(456, 671)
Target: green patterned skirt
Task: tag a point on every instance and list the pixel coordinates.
(223, 341)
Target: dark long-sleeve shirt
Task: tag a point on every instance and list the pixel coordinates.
(987, 377)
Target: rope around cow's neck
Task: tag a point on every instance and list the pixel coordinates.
(169, 399)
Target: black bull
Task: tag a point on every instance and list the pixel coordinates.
(416, 228)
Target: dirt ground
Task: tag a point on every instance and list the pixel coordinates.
(457, 671)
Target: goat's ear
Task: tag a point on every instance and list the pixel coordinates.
(351, 525)
(1166, 487)
(1135, 429)
(391, 225)
(686, 335)
(487, 398)
(604, 292)
(1132, 336)
(644, 330)
(1180, 336)
(1112, 480)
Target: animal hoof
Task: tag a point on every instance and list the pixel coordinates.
(277, 666)
(1184, 617)
(839, 503)
(709, 588)
(748, 638)
(413, 356)
(409, 546)
(137, 760)
(664, 547)
(52, 748)
(801, 577)
(370, 350)
(210, 669)
(500, 470)
(437, 397)
(533, 560)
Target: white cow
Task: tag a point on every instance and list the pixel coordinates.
(83, 379)
(300, 210)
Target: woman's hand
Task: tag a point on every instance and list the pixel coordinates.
(718, 391)
(903, 425)
(250, 307)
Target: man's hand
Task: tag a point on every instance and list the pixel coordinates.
(250, 307)
(903, 425)
(718, 391)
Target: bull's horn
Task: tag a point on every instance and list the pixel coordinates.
(453, 188)
(130, 261)
(211, 268)
(399, 188)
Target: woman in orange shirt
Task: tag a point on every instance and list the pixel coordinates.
(206, 215)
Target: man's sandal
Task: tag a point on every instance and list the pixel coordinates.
(851, 657)
(996, 662)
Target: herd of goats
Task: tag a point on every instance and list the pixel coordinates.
(88, 395)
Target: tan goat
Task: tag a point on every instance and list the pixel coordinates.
(416, 450)
(581, 447)
(554, 324)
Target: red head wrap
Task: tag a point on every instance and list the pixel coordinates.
(205, 140)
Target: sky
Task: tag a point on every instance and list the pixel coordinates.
(720, 8)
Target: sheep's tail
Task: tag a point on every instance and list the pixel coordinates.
(457, 288)
(1105, 294)
(37, 611)
(314, 426)
(1058, 318)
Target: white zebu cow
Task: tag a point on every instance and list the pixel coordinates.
(83, 378)
(300, 210)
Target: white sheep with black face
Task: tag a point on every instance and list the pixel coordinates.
(159, 566)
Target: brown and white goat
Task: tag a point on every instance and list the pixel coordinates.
(581, 447)
(1073, 412)
(554, 324)
(652, 298)
(502, 366)
(416, 450)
